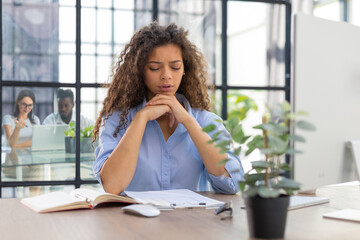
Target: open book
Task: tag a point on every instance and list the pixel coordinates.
(86, 198)
(76, 199)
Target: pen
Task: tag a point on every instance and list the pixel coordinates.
(200, 204)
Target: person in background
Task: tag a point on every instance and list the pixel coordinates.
(65, 99)
(150, 127)
(18, 126)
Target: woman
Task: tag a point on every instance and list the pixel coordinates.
(18, 126)
(150, 128)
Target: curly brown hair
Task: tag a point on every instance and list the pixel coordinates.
(127, 89)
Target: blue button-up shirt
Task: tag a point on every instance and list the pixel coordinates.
(171, 164)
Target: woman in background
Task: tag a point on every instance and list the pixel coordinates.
(18, 126)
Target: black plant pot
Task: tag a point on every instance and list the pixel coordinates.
(85, 145)
(267, 216)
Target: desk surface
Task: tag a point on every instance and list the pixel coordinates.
(19, 222)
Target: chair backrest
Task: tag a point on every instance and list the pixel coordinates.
(355, 149)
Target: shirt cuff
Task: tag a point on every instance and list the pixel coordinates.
(228, 185)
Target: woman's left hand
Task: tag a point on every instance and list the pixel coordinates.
(19, 123)
(178, 112)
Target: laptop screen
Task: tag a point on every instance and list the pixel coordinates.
(48, 137)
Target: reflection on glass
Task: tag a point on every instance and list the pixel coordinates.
(30, 33)
(104, 26)
(328, 10)
(22, 192)
(67, 68)
(256, 38)
(18, 124)
(88, 32)
(123, 32)
(355, 12)
(88, 69)
(262, 99)
(27, 165)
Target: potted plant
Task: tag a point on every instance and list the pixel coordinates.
(85, 139)
(265, 191)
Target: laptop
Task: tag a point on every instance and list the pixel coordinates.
(297, 202)
(48, 137)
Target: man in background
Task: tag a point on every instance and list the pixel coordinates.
(65, 99)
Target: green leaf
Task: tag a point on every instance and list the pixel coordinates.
(224, 150)
(242, 186)
(222, 162)
(260, 164)
(251, 192)
(237, 151)
(286, 183)
(305, 125)
(286, 106)
(297, 138)
(258, 126)
(292, 151)
(275, 129)
(238, 134)
(268, 192)
(256, 142)
(250, 179)
(223, 144)
(285, 166)
(301, 113)
(241, 98)
(211, 141)
(278, 145)
(209, 128)
(217, 134)
(231, 123)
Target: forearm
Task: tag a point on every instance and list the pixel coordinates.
(209, 154)
(12, 140)
(23, 144)
(118, 170)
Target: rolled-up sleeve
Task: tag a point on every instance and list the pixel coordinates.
(107, 143)
(222, 184)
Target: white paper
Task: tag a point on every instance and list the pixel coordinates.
(345, 214)
(177, 198)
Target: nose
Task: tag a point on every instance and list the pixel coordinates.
(166, 74)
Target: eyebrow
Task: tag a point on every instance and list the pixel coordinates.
(156, 62)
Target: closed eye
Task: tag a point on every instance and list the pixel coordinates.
(153, 69)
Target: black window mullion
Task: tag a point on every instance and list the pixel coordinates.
(78, 92)
(1, 57)
(224, 58)
(288, 51)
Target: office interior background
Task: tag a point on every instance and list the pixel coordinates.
(72, 44)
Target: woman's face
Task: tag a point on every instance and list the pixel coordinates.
(25, 105)
(164, 70)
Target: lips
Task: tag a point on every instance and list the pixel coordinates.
(166, 87)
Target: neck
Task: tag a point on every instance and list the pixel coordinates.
(23, 116)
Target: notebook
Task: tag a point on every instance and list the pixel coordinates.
(48, 137)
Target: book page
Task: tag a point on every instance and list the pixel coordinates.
(85, 193)
(177, 198)
(97, 197)
(53, 201)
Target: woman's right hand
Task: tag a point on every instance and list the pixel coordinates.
(154, 112)
(19, 123)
